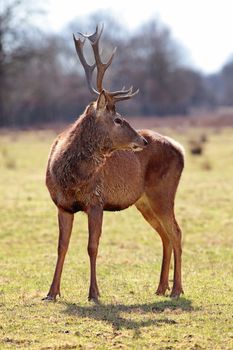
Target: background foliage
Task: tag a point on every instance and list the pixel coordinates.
(41, 79)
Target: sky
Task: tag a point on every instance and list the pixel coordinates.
(204, 28)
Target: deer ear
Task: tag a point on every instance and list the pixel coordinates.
(102, 101)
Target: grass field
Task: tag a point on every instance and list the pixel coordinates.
(130, 315)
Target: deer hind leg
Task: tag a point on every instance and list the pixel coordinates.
(173, 230)
(95, 218)
(165, 214)
(144, 207)
(65, 221)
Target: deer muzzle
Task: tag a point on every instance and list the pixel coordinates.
(139, 144)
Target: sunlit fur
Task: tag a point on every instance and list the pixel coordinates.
(92, 169)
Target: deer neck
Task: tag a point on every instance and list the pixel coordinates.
(87, 154)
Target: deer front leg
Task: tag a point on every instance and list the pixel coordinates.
(95, 218)
(65, 221)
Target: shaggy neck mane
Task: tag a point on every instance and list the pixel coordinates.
(84, 151)
(84, 139)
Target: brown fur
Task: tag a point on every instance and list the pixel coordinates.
(92, 168)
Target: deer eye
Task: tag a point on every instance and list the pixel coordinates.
(118, 121)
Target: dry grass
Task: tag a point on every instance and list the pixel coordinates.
(130, 315)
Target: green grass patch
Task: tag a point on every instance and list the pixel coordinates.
(130, 315)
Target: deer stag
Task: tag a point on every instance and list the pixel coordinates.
(101, 163)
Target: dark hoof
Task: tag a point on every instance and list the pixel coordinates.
(159, 292)
(162, 290)
(175, 294)
(94, 295)
(49, 298)
(94, 299)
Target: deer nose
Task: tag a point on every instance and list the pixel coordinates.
(145, 142)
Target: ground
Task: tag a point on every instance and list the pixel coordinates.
(130, 315)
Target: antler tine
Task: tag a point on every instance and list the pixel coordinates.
(121, 92)
(129, 93)
(118, 97)
(93, 37)
(101, 67)
(87, 68)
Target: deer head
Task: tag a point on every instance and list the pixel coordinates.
(115, 130)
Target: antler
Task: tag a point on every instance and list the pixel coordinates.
(87, 68)
(101, 67)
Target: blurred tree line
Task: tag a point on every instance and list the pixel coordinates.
(41, 79)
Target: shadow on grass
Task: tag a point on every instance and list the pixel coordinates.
(112, 313)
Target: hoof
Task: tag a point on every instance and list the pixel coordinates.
(94, 295)
(95, 299)
(162, 290)
(49, 298)
(175, 294)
